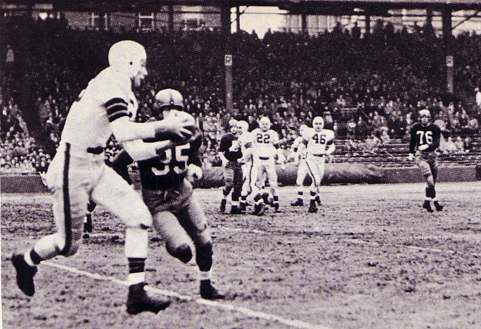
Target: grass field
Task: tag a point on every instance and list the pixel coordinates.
(370, 258)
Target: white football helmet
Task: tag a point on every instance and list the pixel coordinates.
(265, 123)
(424, 113)
(424, 116)
(127, 56)
(169, 98)
(318, 123)
(243, 126)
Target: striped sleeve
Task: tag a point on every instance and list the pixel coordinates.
(116, 108)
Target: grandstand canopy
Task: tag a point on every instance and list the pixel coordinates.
(345, 7)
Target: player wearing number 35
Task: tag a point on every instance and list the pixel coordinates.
(169, 168)
(425, 138)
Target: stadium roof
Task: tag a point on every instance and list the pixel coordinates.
(293, 6)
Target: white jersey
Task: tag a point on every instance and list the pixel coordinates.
(246, 143)
(318, 142)
(88, 120)
(265, 143)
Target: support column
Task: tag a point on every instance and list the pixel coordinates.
(238, 16)
(448, 48)
(171, 18)
(367, 19)
(304, 23)
(226, 36)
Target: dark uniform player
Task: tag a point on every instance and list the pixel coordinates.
(168, 171)
(425, 138)
(231, 154)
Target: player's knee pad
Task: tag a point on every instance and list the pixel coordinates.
(181, 252)
(204, 256)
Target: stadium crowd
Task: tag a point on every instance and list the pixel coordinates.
(368, 88)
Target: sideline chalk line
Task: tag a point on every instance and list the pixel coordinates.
(229, 307)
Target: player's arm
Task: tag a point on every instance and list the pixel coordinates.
(140, 150)
(126, 130)
(413, 141)
(331, 147)
(247, 152)
(223, 147)
(120, 164)
(195, 145)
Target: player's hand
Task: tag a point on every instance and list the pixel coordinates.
(177, 128)
(423, 147)
(194, 173)
(411, 157)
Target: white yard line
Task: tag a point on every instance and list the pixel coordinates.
(221, 305)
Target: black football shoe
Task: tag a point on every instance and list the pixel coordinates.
(25, 274)
(313, 207)
(297, 203)
(138, 301)
(438, 206)
(427, 206)
(262, 209)
(208, 291)
(318, 200)
(236, 211)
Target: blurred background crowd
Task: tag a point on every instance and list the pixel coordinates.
(368, 90)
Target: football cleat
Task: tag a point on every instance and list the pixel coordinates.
(312, 207)
(297, 203)
(243, 206)
(259, 209)
(25, 274)
(276, 208)
(223, 202)
(208, 291)
(318, 200)
(138, 301)
(236, 211)
(427, 206)
(438, 206)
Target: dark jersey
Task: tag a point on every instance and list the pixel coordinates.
(424, 135)
(224, 146)
(167, 169)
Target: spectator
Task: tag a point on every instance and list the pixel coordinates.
(459, 143)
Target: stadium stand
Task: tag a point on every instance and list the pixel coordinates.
(368, 90)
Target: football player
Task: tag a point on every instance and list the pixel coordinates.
(168, 170)
(425, 139)
(78, 173)
(317, 143)
(230, 152)
(245, 142)
(265, 154)
(300, 161)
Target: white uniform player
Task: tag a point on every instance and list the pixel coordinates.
(246, 143)
(300, 160)
(265, 153)
(317, 143)
(78, 173)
